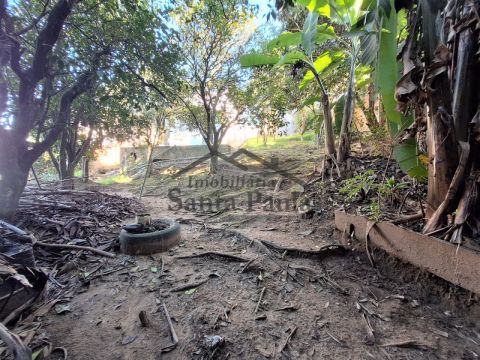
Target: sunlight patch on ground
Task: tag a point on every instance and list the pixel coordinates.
(115, 179)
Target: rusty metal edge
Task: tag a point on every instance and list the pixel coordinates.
(456, 264)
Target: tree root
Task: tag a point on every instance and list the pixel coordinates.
(218, 254)
(322, 252)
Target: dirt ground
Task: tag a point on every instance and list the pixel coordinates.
(331, 307)
(266, 304)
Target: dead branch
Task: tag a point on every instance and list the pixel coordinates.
(248, 264)
(188, 286)
(18, 231)
(287, 340)
(76, 247)
(408, 218)
(409, 343)
(259, 300)
(15, 344)
(173, 334)
(215, 253)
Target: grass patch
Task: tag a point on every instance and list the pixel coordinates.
(115, 179)
(280, 141)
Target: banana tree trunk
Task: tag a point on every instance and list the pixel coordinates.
(343, 150)
(453, 125)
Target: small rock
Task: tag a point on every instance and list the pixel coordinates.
(213, 341)
(128, 339)
(415, 303)
(63, 308)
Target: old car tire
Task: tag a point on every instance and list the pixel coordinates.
(152, 242)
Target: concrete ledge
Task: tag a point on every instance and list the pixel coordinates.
(458, 265)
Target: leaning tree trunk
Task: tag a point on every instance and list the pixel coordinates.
(13, 175)
(328, 121)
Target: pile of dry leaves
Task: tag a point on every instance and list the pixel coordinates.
(55, 231)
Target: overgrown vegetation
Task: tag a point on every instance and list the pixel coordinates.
(383, 72)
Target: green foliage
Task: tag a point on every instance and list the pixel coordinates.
(379, 140)
(280, 142)
(338, 109)
(375, 213)
(410, 160)
(390, 189)
(308, 33)
(291, 58)
(251, 60)
(358, 185)
(321, 64)
(388, 73)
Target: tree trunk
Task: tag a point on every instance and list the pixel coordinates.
(343, 150)
(213, 163)
(13, 175)
(327, 118)
(85, 172)
(329, 136)
(453, 119)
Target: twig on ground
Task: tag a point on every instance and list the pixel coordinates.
(259, 300)
(215, 253)
(104, 273)
(18, 231)
(334, 284)
(76, 247)
(188, 286)
(370, 331)
(334, 338)
(409, 343)
(173, 334)
(248, 264)
(287, 308)
(287, 340)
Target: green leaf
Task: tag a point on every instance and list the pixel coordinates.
(346, 11)
(387, 74)
(285, 39)
(324, 61)
(324, 32)
(363, 75)
(408, 158)
(153, 269)
(338, 108)
(291, 58)
(38, 354)
(309, 31)
(190, 291)
(311, 100)
(252, 60)
(322, 7)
